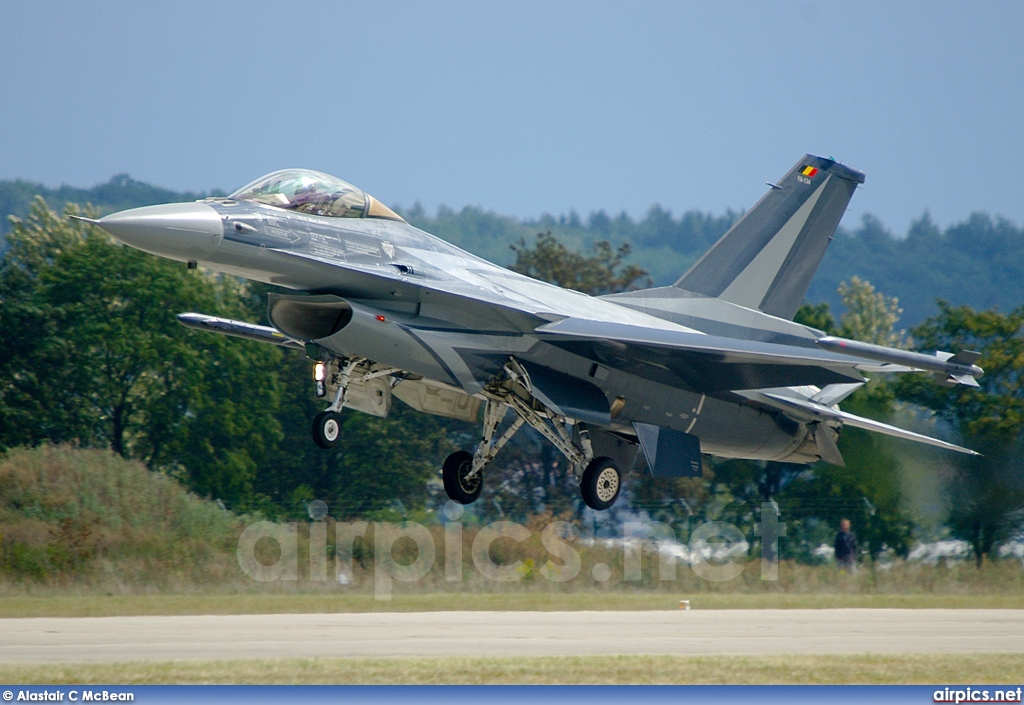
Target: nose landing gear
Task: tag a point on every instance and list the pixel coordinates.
(327, 429)
(358, 384)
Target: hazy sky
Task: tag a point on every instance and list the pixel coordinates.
(526, 107)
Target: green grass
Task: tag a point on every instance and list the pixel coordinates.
(832, 669)
(127, 605)
(72, 516)
(88, 533)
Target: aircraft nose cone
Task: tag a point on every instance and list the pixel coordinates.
(181, 231)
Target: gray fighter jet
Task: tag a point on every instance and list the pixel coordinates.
(712, 364)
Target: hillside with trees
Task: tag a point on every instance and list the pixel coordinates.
(121, 192)
(978, 262)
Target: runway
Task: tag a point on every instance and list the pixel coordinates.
(394, 634)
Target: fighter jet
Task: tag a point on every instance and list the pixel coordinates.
(713, 364)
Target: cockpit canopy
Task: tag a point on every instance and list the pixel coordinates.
(315, 193)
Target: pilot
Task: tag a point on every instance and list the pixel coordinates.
(308, 198)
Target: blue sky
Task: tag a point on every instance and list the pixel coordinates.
(526, 107)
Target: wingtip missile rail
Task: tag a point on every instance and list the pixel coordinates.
(948, 369)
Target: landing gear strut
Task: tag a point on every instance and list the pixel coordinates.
(600, 479)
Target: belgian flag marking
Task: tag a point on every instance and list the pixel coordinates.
(808, 171)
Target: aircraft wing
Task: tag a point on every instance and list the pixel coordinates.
(703, 363)
(813, 411)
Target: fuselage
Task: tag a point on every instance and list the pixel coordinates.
(712, 364)
(454, 317)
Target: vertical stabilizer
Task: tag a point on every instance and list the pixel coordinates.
(768, 258)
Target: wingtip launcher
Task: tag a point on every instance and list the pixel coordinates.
(949, 369)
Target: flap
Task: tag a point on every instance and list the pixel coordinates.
(702, 363)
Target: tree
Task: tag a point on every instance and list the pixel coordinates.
(871, 316)
(867, 491)
(595, 274)
(96, 357)
(987, 493)
(995, 409)
(817, 316)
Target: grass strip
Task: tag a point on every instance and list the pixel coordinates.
(832, 669)
(130, 605)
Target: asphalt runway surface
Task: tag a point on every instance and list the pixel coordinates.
(394, 634)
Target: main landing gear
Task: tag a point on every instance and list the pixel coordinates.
(360, 384)
(600, 478)
(460, 482)
(601, 483)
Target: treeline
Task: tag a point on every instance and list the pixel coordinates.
(121, 192)
(978, 262)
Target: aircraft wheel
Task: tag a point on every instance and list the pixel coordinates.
(457, 485)
(601, 483)
(326, 429)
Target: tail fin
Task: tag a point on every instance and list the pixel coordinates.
(768, 258)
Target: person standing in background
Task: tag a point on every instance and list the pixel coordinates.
(846, 547)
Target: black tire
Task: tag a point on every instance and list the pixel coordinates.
(601, 483)
(456, 485)
(327, 429)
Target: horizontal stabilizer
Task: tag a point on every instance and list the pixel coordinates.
(813, 411)
(237, 329)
